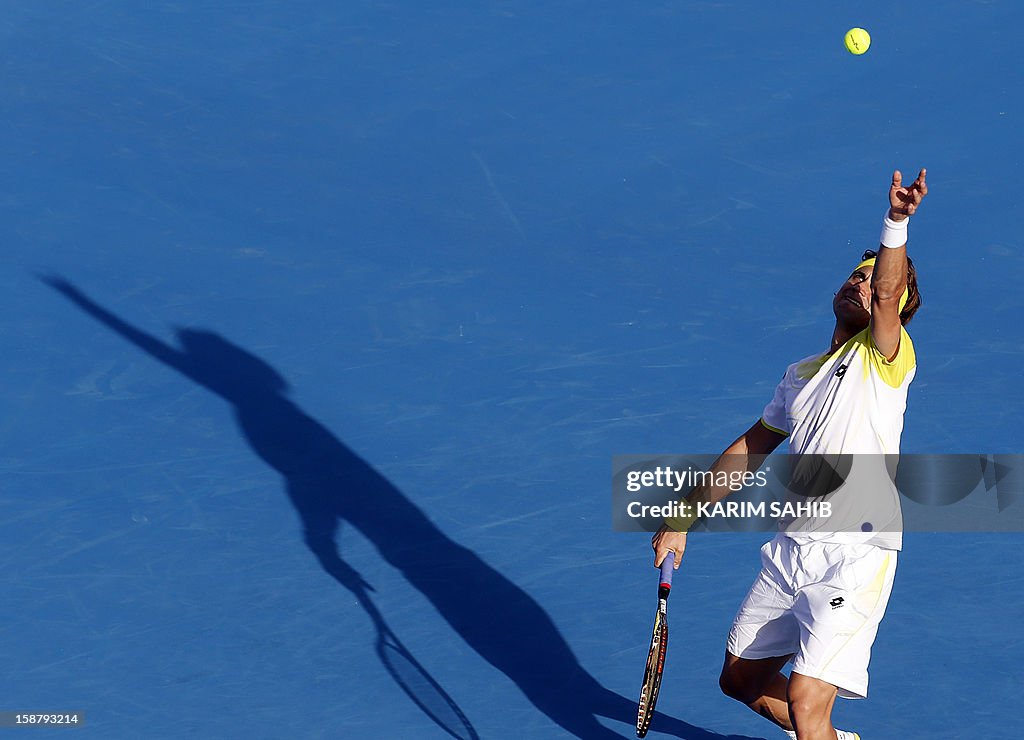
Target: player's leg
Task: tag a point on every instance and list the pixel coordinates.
(839, 609)
(810, 707)
(839, 615)
(764, 635)
(759, 684)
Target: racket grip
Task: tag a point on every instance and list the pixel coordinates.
(667, 566)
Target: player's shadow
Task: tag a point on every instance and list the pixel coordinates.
(329, 484)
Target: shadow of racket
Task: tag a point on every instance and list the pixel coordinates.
(413, 678)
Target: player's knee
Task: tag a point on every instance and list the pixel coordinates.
(733, 685)
(808, 714)
(810, 703)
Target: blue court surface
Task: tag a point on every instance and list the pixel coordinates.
(404, 277)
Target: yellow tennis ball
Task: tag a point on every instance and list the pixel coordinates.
(857, 40)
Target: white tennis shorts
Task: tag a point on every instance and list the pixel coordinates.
(820, 603)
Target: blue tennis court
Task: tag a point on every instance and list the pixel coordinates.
(323, 321)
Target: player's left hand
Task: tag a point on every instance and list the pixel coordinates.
(903, 201)
(60, 284)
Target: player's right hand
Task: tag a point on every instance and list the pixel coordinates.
(667, 540)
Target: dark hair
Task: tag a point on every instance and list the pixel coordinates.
(913, 295)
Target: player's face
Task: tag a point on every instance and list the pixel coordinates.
(852, 302)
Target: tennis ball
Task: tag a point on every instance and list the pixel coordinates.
(857, 41)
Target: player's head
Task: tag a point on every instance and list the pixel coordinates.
(236, 374)
(852, 302)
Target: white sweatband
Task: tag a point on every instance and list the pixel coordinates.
(894, 233)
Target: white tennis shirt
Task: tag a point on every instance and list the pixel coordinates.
(848, 402)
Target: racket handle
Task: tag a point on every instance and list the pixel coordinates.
(667, 566)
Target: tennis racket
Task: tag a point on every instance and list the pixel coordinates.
(656, 655)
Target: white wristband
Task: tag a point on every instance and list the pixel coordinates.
(894, 233)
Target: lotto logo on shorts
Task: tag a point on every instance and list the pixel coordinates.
(836, 602)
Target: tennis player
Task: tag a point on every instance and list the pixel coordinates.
(820, 595)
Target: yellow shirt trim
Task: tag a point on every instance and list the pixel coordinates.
(893, 371)
(770, 428)
(807, 370)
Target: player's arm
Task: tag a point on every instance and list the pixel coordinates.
(889, 279)
(148, 343)
(745, 454)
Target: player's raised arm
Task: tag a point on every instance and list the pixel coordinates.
(889, 279)
(746, 453)
(147, 342)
